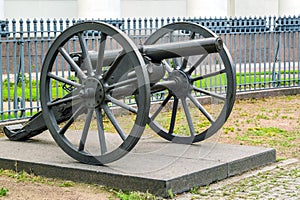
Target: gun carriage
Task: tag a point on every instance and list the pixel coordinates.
(104, 102)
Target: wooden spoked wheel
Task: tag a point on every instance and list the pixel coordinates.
(106, 100)
(197, 92)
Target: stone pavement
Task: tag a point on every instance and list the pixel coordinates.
(279, 181)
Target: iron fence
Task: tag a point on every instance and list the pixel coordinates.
(265, 50)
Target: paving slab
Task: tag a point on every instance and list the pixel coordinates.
(154, 165)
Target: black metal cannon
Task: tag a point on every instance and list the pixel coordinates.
(96, 86)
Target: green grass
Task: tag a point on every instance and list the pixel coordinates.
(134, 195)
(3, 192)
(66, 184)
(29, 93)
(272, 136)
(23, 176)
(28, 89)
(11, 115)
(262, 78)
(248, 80)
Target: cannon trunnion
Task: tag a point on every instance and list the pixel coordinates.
(96, 86)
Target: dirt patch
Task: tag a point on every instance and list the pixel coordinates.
(270, 122)
(32, 190)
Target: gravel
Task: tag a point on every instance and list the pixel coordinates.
(279, 181)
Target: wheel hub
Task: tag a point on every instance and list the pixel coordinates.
(92, 92)
(182, 86)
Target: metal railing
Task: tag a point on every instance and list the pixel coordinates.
(265, 50)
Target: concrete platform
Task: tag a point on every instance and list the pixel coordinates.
(154, 165)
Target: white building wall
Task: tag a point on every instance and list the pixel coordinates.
(98, 9)
(28, 9)
(153, 8)
(144, 8)
(2, 10)
(289, 7)
(206, 8)
(255, 7)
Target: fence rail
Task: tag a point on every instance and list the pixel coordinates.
(265, 50)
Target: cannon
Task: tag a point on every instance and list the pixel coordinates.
(99, 91)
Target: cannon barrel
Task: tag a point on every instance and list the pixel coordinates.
(158, 52)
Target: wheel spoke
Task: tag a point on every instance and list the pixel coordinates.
(162, 105)
(175, 63)
(168, 67)
(221, 97)
(100, 60)
(85, 55)
(174, 113)
(121, 104)
(63, 100)
(64, 80)
(69, 59)
(71, 120)
(199, 61)
(188, 116)
(184, 63)
(201, 108)
(103, 147)
(209, 75)
(114, 122)
(192, 36)
(85, 129)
